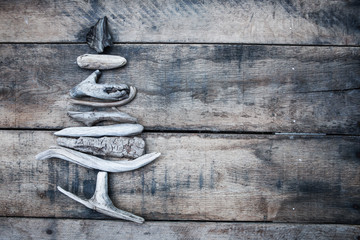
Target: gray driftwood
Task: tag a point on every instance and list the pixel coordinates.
(122, 147)
(101, 62)
(99, 36)
(125, 101)
(117, 130)
(101, 201)
(89, 87)
(92, 162)
(91, 118)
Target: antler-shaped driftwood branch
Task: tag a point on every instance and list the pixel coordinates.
(101, 201)
(117, 130)
(89, 161)
(132, 95)
(90, 87)
(91, 118)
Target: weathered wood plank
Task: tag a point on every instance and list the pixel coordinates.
(193, 87)
(282, 22)
(39, 228)
(198, 177)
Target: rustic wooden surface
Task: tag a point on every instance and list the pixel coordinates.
(280, 22)
(217, 177)
(238, 71)
(39, 228)
(193, 87)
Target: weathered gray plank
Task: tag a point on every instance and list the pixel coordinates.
(39, 228)
(283, 22)
(193, 87)
(198, 177)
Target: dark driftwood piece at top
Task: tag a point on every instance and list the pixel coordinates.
(90, 88)
(91, 118)
(99, 36)
(101, 201)
(122, 147)
(93, 162)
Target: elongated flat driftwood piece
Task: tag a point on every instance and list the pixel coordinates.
(99, 36)
(91, 118)
(117, 130)
(89, 87)
(101, 201)
(125, 101)
(99, 61)
(92, 162)
(122, 147)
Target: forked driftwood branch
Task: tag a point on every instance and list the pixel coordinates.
(101, 201)
(92, 162)
(91, 118)
(117, 130)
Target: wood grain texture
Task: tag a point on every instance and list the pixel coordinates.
(198, 177)
(193, 87)
(39, 228)
(282, 22)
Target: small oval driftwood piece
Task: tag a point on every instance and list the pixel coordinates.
(122, 147)
(117, 130)
(93, 162)
(91, 118)
(101, 201)
(90, 87)
(100, 61)
(125, 101)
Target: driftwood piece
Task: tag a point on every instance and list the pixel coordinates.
(125, 101)
(90, 87)
(99, 61)
(91, 118)
(122, 147)
(99, 36)
(101, 201)
(117, 130)
(92, 162)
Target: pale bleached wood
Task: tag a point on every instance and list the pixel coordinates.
(115, 130)
(100, 61)
(249, 21)
(40, 228)
(193, 87)
(213, 177)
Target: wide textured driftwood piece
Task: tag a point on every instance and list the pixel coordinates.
(92, 162)
(89, 87)
(91, 118)
(122, 147)
(117, 130)
(101, 201)
(99, 36)
(125, 101)
(101, 62)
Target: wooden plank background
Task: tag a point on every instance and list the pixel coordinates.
(216, 81)
(16, 228)
(267, 22)
(193, 87)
